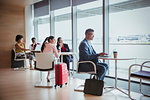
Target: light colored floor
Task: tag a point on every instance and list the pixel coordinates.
(19, 85)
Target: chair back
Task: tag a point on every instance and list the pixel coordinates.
(12, 54)
(91, 67)
(44, 61)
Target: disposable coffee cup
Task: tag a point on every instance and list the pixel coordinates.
(115, 54)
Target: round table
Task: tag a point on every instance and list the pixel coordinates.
(116, 59)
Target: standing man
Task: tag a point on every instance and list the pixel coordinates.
(87, 53)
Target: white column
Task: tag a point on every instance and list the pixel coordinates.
(28, 25)
(52, 23)
(106, 26)
(74, 34)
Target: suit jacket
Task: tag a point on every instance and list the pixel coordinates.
(66, 57)
(87, 53)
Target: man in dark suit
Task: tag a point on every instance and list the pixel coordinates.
(64, 48)
(87, 53)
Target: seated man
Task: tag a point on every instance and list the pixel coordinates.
(32, 55)
(87, 53)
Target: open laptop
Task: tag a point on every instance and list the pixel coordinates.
(38, 48)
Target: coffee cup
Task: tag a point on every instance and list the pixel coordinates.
(115, 54)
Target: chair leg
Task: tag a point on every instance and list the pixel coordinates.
(141, 89)
(41, 76)
(42, 84)
(129, 88)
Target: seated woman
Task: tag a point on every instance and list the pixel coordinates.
(20, 47)
(49, 46)
(64, 48)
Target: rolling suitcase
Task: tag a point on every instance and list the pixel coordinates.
(61, 74)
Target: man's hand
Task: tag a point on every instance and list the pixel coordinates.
(102, 54)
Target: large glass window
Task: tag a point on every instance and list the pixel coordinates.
(89, 15)
(43, 27)
(63, 25)
(129, 33)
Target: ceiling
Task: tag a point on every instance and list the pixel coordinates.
(19, 2)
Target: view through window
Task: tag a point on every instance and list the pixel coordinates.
(129, 33)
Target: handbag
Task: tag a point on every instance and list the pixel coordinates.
(93, 86)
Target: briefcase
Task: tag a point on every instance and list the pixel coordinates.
(94, 87)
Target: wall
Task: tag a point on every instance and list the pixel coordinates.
(12, 22)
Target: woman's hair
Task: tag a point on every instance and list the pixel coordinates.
(58, 40)
(46, 39)
(18, 37)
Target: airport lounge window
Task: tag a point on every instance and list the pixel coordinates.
(43, 28)
(63, 25)
(129, 33)
(89, 15)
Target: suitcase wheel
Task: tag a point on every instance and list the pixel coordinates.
(60, 86)
(55, 86)
(65, 83)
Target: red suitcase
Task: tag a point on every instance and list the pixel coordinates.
(61, 74)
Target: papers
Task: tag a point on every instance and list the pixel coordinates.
(105, 56)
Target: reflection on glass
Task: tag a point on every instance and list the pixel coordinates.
(89, 17)
(43, 28)
(63, 25)
(129, 34)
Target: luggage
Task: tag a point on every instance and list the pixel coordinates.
(61, 74)
(94, 87)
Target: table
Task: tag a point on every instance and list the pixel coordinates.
(35, 51)
(29, 53)
(65, 53)
(115, 59)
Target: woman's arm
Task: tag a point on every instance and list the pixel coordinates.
(55, 52)
(21, 47)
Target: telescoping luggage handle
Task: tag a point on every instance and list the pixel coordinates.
(58, 73)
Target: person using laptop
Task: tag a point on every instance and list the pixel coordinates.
(32, 47)
(87, 53)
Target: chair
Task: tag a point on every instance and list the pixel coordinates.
(141, 74)
(16, 63)
(44, 62)
(81, 87)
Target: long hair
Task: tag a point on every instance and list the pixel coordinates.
(46, 39)
(58, 40)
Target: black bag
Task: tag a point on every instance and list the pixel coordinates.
(94, 87)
